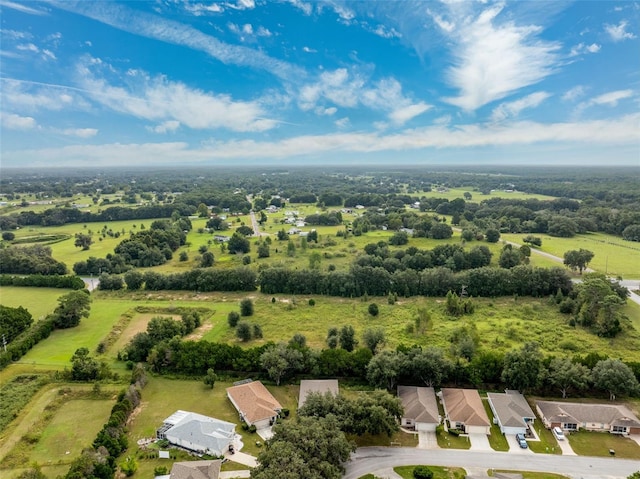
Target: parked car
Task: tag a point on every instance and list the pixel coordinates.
(557, 432)
(521, 440)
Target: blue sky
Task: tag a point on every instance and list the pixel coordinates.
(135, 83)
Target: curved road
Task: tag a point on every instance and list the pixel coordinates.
(376, 459)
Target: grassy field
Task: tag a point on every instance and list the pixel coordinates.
(612, 255)
(406, 472)
(477, 197)
(529, 474)
(599, 443)
(38, 301)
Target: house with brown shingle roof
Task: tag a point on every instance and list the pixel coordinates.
(464, 410)
(420, 408)
(615, 418)
(512, 412)
(254, 403)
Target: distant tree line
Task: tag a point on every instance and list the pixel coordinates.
(61, 216)
(43, 281)
(34, 259)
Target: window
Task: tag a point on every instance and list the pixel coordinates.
(570, 427)
(619, 429)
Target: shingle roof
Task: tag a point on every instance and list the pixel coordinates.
(254, 401)
(465, 406)
(205, 432)
(196, 470)
(511, 408)
(564, 412)
(317, 386)
(419, 404)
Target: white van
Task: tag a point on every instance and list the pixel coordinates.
(557, 432)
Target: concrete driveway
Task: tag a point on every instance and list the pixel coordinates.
(514, 447)
(480, 442)
(565, 447)
(427, 440)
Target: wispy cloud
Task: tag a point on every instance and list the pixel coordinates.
(494, 59)
(609, 99)
(77, 132)
(574, 93)
(12, 121)
(306, 7)
(512, 109)
(21, 8)
(157, 98)
(619, 32)
(32, 96)
(199, 9)
(168, 126)
(159, 28)
(309, 50)
(621, 131)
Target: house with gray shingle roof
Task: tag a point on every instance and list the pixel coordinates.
(614, 418)
(198, 433)
(196, 470)
(464, 410)
(420, 408)
(512, 412)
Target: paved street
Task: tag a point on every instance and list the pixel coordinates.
(373, 459)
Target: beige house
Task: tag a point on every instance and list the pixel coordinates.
(254, 403)
(464, 410)
(420, 408)
(321, 386)
(614, 418)
(196, 470)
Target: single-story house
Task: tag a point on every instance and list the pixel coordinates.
(222, 238)
(317, 386)
(512, 412)
(197, 433)
(420, 408)
(254, 403)
(614, 418)
(464, 410)
(196, 470)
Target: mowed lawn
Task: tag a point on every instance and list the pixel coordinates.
(72, 429)
(587, 443)
(612, 254)
(162, 397)
(38, 301)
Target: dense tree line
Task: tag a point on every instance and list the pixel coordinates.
(200, 279)
(25, 341)
(34, 259)
(61, 216)
(13, 321)
(43, 281)
(523, 280)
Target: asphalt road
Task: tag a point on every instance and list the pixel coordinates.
(372, 459)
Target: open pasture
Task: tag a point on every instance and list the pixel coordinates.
(38, 301)
(612, 255)
(477, 196)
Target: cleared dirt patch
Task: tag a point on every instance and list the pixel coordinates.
(200, 332)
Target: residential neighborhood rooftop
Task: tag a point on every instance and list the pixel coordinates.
(465, 406)
(254, 401)
(419, 403)
(317, 386)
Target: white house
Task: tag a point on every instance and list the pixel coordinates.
(197, 433)
(420, 408)
(512, 412)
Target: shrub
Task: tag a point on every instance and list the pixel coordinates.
(246, 307)
(285, 412)
(252, 429)
(232, 318)
(422, 472)
(373, 309)
(312, 302)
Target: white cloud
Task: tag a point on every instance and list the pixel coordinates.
(611, 98)
(342, 122)
(165, 127)
(574, 93)
(263, 32)
(345, 14)
(619, 32)
(79, 132)
(248, 29)
(493, 60)
(30, 47)
(16, 35)
(349, 89)
(581, 48)
(622, 131)
(33, 97)
(242, 5)
(306, 8)
(309, 50)
(12, 121)
(153, 26)
(441, 22)
(326, 111)
(21, 8)
(158, 98)
(512, 109)
(199, 9)
(385, 32)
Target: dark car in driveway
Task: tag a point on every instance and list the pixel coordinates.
(521, 441)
